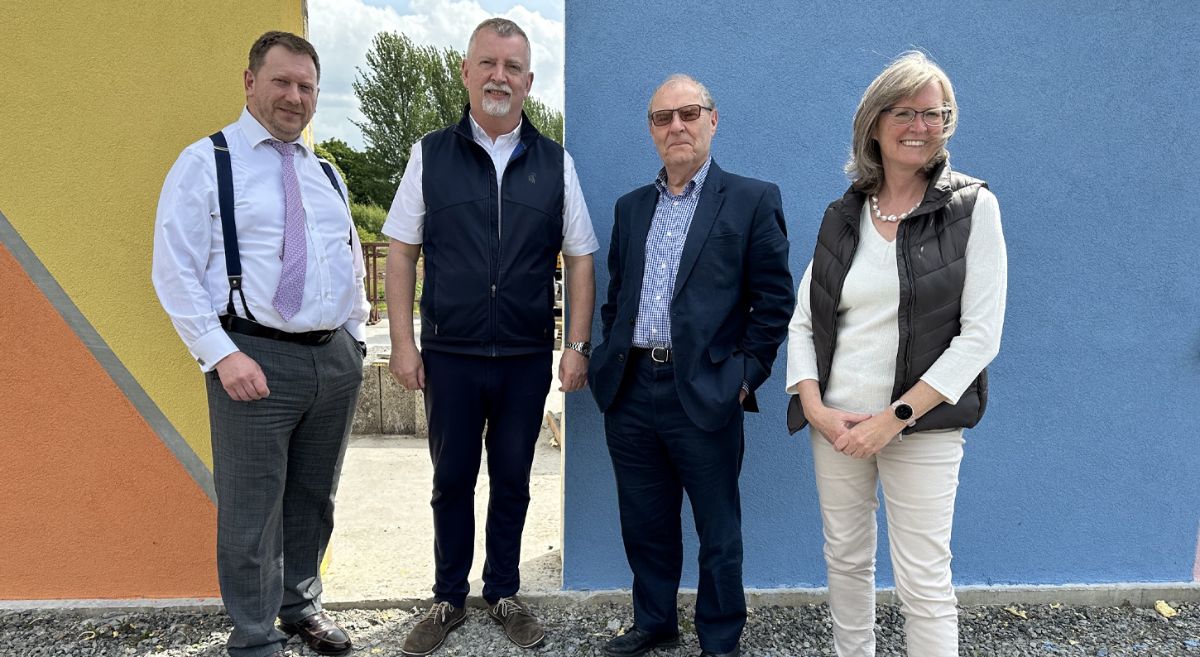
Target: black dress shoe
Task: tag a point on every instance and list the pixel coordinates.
(319, 633)
(732, 653)
(637, 641)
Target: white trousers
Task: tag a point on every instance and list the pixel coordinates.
(919, 477)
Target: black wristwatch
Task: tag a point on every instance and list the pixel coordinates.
(903, 412)
(584, 347)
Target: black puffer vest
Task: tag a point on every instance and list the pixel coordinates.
(490, 292)
(931, 249)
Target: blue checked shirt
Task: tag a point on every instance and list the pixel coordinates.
(664, 244)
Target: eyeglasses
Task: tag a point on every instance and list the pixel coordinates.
(687, 113)
(934, 118)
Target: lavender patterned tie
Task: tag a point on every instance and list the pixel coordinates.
(290, 293)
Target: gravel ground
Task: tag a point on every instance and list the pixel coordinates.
(580, 630)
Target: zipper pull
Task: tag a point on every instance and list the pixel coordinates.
(493, 290)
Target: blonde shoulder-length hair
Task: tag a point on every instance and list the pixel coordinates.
(906, 76)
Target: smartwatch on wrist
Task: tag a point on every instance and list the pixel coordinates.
(584, 347)
(903, 412)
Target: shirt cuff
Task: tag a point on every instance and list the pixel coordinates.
(399, 233)
(794, 389)
(211, 348)
(586, 248)
(951, 394)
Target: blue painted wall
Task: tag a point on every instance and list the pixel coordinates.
(1083, 118)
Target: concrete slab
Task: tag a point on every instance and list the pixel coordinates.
(398, 405)
(368, 411)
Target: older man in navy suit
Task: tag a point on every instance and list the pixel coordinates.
(699, 299)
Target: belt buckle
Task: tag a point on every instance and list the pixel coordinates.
(655, 351)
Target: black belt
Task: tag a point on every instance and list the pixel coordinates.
(247, 327)
(656, 354)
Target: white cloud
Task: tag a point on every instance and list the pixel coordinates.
(342, 30)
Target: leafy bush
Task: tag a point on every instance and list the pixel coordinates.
(368, 219)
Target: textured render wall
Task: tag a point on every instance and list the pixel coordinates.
(96, 101)
(96, 506)
(1082, 120)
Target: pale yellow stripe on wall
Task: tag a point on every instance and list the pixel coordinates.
(97, 100)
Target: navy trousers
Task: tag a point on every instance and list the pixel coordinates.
(657, 454)
(275, 466)
(462, 393)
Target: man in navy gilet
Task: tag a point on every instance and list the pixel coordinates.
(491, 202)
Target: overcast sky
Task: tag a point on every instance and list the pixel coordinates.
(342, 31)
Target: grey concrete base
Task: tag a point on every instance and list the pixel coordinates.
(100, 606)
(1087, 595)
(367, 413)
(1097, 595)
(384, 406)
(400, 407)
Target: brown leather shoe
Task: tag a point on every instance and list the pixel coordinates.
(319, 633)
(520, 625)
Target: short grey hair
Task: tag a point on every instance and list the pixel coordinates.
(906, 76)
(504, 28)
(683, 78)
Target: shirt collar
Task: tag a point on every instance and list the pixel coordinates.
(481, 135)
(257, 134)
(692, 187)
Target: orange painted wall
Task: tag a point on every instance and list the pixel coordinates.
(94, 505)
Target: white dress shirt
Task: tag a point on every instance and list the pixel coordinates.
(406, 219)
(189, 254)
(864, 363)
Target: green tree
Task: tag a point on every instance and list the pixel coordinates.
(548, 121)
(395, 98)
(368, 180)
(449, 96)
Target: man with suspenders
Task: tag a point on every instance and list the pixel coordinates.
(259, 268)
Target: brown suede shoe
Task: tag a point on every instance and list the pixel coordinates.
(520, 625)
(427, 635)
(320, 633)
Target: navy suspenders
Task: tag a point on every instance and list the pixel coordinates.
(233, 261)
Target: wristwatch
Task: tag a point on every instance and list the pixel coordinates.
(584, 347)
(903, 412)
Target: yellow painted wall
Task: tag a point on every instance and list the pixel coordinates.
(96, 101)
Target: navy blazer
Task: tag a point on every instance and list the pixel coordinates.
(732, 301)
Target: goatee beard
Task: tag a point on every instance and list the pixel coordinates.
(497, 108)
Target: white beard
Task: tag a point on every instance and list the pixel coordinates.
(497, 108)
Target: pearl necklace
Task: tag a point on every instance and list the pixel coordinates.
(890, 218)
